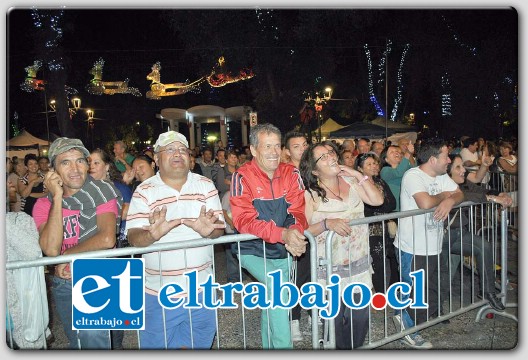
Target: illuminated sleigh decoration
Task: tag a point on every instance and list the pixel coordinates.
(158, 89)
(217, 78)
(99, 87)
(31, 83)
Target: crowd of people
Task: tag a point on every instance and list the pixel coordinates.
(275, 188)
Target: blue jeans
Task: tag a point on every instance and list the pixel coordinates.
(83, 339)
(185, 329)
(429, 264)
(405, 260)
(274, 323)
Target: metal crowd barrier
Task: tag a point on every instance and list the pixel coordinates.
(508, 183)
(492, 228)
(234, 326)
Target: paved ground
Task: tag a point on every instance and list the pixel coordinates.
(462, 333)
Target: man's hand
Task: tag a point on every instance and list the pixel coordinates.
(129, 175)
(63, 271)
(294, 241)
(443, 209)
(53, 183)
(205, 223)
(159, 226)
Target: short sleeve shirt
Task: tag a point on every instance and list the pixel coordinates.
(420, 234)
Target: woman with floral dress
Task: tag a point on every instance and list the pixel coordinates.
(335, 194)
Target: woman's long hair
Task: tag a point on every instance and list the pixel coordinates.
(113, 173)
(307, 165)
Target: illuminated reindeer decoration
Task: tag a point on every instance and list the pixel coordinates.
(31, 83)
(158, 89)
(98, 87)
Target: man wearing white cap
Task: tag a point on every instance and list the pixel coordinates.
(79, 214)
(175, 205)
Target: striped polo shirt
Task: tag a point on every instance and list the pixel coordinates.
(185, 204)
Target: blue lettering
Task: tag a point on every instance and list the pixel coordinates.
(192, 298)
(312, 299)
(228, 294)
(348, 296)
(333, 294)
(392, 295)
(419, 289)
(165, 292)
(255, 299)
(278, 287)
(209, 293)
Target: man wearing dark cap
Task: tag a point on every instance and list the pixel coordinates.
(175, 205)
(79, 214)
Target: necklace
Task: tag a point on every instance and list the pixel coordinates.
(333, 193)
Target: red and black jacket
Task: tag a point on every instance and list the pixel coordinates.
(264, 207)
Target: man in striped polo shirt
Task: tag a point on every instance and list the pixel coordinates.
(175, 205)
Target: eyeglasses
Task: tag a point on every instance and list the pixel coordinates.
(172, 151)
(326, 155)
(365, 156)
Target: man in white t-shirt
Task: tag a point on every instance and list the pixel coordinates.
(469, 154)
(419, 238)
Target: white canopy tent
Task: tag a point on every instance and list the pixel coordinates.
(25, 143)
(327, 127)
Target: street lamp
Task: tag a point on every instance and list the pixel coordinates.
(318, 102)
(75, 107)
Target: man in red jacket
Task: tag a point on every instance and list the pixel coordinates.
(267, 200)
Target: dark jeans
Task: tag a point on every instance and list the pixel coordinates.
(303, 276)
(89, 339)
(463, 243)
(429, 264)
(351, 324)
(378, 263)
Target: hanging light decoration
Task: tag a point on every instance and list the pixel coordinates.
(446, 95)
(399, 83)
(472, 50)
(372, 96)
(158, 89)
(31, 83)
(99, 87)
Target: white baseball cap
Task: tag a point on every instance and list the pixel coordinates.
(169, 137)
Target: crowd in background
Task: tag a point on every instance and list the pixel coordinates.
(349, 179)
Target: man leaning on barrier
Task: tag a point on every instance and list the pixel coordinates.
(419, 238)
(79, 214)
(175, 205)
(267, 200)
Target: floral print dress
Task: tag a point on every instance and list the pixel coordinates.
(345, 249)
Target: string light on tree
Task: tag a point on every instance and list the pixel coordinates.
(496, 101)
(456, 37)
(381, 65)
(14, 125)
(399, 83)
(372, 96)
(446, 96)
(52, 19)
(266, 21)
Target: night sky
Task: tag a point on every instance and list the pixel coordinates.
(290, 51)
